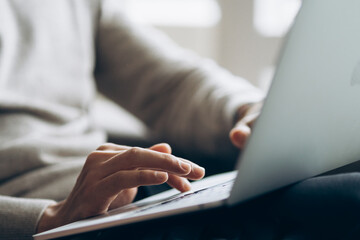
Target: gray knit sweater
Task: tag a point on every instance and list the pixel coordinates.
(54, 56)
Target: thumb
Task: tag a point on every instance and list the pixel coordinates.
(239, 134)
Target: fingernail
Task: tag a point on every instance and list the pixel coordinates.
(185, 166)
(186, 186)
(199, 171)
(240, 138)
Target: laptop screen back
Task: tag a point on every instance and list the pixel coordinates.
(310, 122)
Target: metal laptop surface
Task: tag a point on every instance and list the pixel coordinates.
(310, 122)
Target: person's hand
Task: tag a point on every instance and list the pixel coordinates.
(110, 177)
(242, 129)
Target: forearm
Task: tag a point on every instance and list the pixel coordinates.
(189, 101)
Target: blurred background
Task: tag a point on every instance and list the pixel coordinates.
(244, 36)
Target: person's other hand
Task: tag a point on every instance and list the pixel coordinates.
(110, 178)
(242, 129)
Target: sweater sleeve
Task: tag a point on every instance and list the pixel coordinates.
(189, 101)
(22, 216)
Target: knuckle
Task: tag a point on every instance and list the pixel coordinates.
(92, 157)
(93, 161)
(105, 146)
(141, 177)
(87, 178)
(169, 158)
(133, 152)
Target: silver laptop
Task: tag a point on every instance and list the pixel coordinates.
(310, 122)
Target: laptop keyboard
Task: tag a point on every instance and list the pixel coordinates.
(206, 195)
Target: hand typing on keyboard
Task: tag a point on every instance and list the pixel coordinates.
(110, 177)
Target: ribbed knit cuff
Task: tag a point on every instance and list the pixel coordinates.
(19, 216)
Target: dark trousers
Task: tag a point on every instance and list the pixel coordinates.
(324, 207)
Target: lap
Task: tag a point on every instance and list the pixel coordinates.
(325, 207)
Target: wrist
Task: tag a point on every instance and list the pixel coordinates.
(49, 219)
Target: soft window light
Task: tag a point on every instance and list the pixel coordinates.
(272, 18)
(191, 13)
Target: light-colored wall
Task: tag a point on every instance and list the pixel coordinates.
(231, 38)
(234, 42)
(205, 41)
(243, 50)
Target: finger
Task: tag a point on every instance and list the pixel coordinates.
(104, 152)
(139, 158)
(239, 135)
(161, 147)
(108, 150)
(180, 183)
(102, 164)
(251, 119)
(251, 123)
(113, 184)
(97, 158)
(124, 197)
(242, 130)
(196, 172)
(112, 147)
